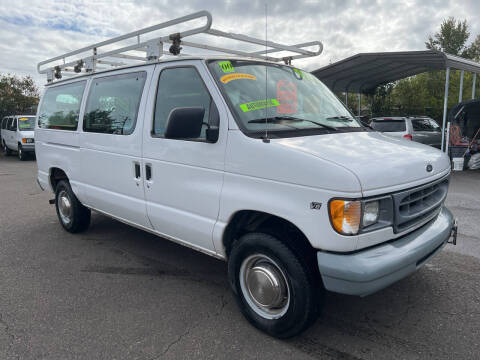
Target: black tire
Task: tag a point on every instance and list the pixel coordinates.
(6, 150)
(304, 287)
(21, 154)
(79, 218)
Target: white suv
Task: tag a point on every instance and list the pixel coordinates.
(17, 135)
(288, 188)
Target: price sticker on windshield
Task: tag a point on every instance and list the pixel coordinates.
(259, 104)
(226, 66)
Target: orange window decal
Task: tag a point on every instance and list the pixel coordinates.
(287, 97)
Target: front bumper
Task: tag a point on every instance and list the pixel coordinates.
(368, 271)
(28, 147)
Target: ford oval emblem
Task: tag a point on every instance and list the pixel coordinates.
(429, 168)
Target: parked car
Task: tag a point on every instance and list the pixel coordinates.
(191, 149)
(3, 126)
(18, 135)
(421, 129)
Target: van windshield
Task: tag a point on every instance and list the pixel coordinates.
(278, 98)
(26, 123)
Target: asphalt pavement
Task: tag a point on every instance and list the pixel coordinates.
(115, 292)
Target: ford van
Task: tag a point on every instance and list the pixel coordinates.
(250, 161)
(17, 135)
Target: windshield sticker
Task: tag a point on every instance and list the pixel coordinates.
(229, 77)
(287, 97)
(226, 66)
(259, 104)
(298, 74)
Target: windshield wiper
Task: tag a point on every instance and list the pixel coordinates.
(343, 117)
(279, 119)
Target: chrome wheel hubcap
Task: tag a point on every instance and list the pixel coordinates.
(264, 286)
(64, 207)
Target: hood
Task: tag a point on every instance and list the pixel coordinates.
(377, 160)
(29, 134)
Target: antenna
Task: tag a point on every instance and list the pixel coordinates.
(266, 139)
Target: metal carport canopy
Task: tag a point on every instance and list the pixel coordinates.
(362, 73)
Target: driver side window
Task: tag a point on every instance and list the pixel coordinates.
(180, 87)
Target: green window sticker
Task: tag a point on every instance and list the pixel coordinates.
(299, 73)
(226, 66)
(259, 104)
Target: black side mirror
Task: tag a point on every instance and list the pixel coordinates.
(184, 123)
(212, 133)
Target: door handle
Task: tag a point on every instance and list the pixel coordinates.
(137, 171)
(148, 172)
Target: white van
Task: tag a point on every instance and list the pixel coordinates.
(17, 135)
(288, 188)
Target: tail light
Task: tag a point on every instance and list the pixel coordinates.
(408, 137)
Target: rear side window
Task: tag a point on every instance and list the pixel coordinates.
(61, 107)
(180, 87)
(425, 125)
(4, 123)
(113, 103)
(388, 125)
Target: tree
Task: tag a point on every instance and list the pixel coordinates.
(451, 38)
(18, 95)
(474, 49)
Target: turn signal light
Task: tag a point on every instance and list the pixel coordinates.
(345, 216)
(24, 141)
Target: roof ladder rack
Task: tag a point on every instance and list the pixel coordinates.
(86, 59)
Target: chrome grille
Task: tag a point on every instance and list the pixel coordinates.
(418, 204)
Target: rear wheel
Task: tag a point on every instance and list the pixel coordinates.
(73, 216)
(276, 290)
(21, 154)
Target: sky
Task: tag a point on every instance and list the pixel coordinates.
(32, 31)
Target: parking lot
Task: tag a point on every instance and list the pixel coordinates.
(115, 292)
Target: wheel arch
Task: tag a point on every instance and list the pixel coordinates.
(245, 221)
(56, 174)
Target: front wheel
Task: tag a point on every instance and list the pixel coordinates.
(276, 290)
(73, 216)
(21, 154)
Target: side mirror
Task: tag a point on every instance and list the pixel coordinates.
(212, 133)
(184, 123)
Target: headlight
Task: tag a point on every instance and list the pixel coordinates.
(27, 140)
(370, 213)
(348, 217)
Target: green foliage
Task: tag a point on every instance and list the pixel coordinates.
(18, 95)
(423, 94)
(451, 38)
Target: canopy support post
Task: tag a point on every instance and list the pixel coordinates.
(460, 92)
(346, 99)
(474, 85)
(445, 104)
(359, 104)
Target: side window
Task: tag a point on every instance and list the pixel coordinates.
(61, 107)
(13, 126)
(180, 87)
(4, 123)
(113, 103)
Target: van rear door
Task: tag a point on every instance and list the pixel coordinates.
(111, 144)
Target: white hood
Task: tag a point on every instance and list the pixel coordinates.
(377, 160)
(28, 134)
